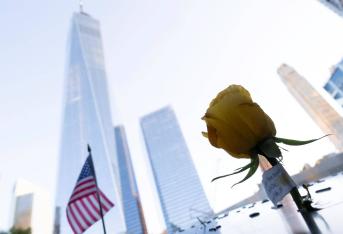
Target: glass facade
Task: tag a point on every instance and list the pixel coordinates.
(325, 116)
(32, 208)
(334, 86)
(334, 5)
(180, 191)
(131, 203)
(87, 120)
(23, 211)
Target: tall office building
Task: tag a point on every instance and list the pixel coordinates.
(315, 105)
(87, 120)
(334, 86)
(180, 191)
(32, 208)
(131, 202)
(23, 211)
(334, 5)
(2, 217)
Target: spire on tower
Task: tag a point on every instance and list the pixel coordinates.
(81, 6)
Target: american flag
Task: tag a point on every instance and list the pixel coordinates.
(83, 208)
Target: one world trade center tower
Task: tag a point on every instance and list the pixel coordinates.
(87, 120)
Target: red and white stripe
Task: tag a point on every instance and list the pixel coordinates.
(83, 208)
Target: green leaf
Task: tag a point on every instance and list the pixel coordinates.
(252, 170)
(297, 142)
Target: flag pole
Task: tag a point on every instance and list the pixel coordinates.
(97, 190)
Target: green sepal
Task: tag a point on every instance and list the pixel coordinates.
(243, 168)
(296, 142)
(269, 148)
(238, 170)
(252, 166)
(252, 170)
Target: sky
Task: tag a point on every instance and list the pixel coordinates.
(178, 53)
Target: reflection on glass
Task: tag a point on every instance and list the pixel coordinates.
(180, 191)
(87, 120)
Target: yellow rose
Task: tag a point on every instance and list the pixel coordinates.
(236, 124)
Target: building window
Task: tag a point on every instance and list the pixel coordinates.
(338, 95)
(328, 87)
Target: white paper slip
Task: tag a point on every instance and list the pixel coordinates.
(277, 183)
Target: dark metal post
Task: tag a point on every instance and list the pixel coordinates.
(304, 210)
(97, 190)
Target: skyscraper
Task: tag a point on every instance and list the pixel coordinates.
(131, 203)
(87, 120)
(23, 211)
(334, 5)
(334, 86)
(315, 105)
(32, 208)
(1, 193)
(180, 191)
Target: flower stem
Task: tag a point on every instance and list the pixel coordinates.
(304, 208)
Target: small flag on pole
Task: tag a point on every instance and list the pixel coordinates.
(87, 203)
